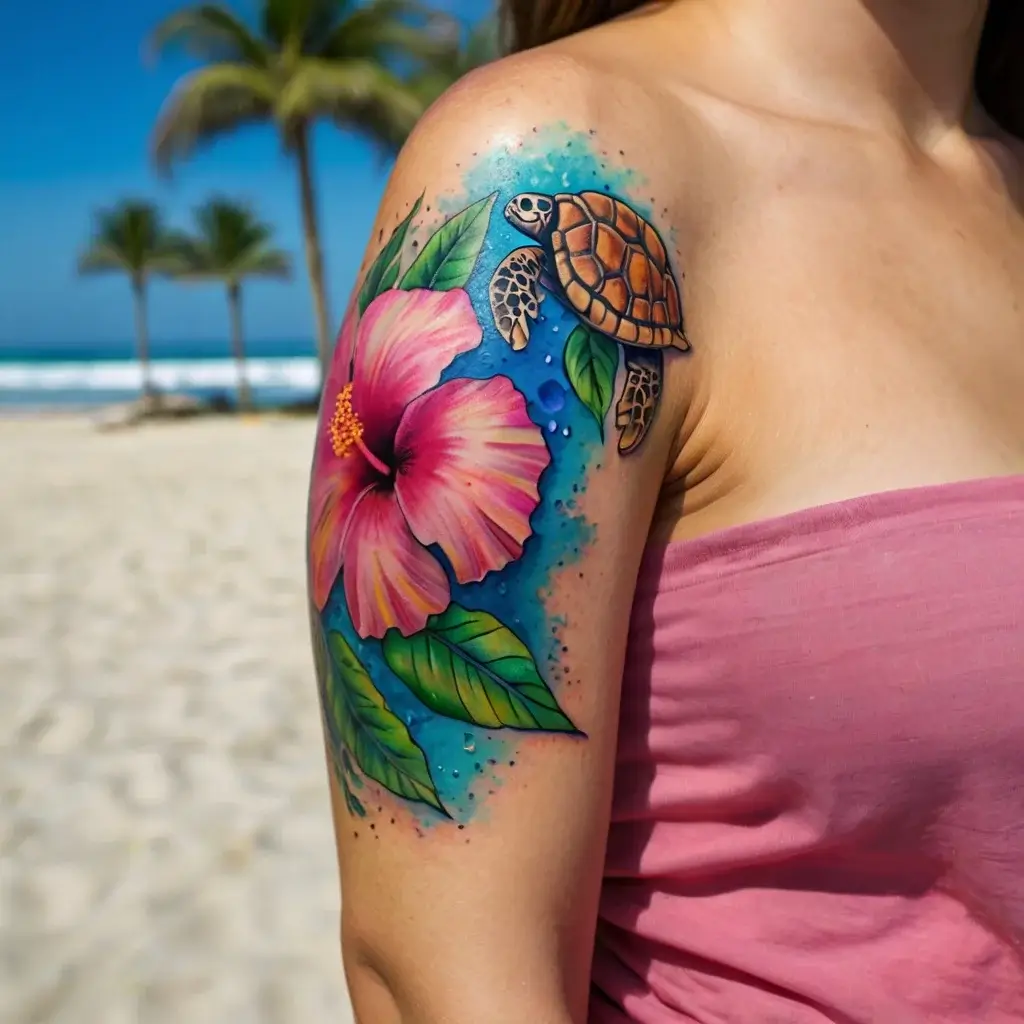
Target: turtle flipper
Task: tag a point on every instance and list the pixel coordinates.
(516, 294)
(641, 392)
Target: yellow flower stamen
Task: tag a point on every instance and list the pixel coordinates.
(346, 428)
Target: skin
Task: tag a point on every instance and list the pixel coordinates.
(851, 235)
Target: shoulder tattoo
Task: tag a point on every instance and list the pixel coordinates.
(468, 400)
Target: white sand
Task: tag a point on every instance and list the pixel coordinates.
(166, 853)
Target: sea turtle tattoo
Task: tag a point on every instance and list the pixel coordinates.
(609, 266)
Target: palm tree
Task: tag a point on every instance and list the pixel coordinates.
(481, 46)
(230, 245)
(308, 59)
(130, 238)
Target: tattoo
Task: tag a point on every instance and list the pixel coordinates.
(467, 400)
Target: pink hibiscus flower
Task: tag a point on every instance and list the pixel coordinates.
(403, 462)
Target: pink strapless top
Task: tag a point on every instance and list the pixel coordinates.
(819, 800)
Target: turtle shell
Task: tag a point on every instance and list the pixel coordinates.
(614, 270)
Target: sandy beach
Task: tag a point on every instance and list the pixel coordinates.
(165, 841)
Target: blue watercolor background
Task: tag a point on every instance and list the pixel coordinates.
(468, 763)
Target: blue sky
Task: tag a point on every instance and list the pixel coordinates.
(75, 139)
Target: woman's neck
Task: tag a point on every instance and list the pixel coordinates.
(902, 65)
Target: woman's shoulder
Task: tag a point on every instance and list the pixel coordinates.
(552, 102)
(507, 99)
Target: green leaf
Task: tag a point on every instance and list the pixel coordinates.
(448, 259)
(591, 362)
(371, 732)
(390, 276)
(352, 802)
(469, 666)
(383, 274)
(350, 770)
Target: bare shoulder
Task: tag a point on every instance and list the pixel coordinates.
(511, 102)
(501, 105)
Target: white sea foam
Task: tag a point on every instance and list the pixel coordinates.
(300, 374)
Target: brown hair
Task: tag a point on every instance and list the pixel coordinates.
(530, 23)
(1000, 71)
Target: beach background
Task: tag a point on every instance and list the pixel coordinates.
(166, 851)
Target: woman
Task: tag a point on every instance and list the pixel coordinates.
(665, 528)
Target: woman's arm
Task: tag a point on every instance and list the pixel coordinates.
(485, 474)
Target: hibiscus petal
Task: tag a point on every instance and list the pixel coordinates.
(390, 578)
(344, 348)
(470, 459)
(405, 340)
(338, 376)
(336, 487)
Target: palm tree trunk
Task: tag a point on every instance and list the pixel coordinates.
(314, 257)
(142, 335)
(238, 345)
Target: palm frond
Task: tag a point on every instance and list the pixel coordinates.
(179, 255)
(210, 32)
(102, 258)
(483, 45)
(292, 24)
(351, 93)
(130, 238)
(265, 262)
(231, 243)
(437, 75)
(382, 29)
(213, 100)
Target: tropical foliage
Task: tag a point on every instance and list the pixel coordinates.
(369, 66)
(131, 239)
(304, 60)
(481, 46)
(231, 244)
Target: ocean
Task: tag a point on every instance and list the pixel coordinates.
(82, 376)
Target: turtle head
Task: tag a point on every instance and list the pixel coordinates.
(531, 213)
